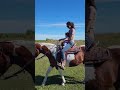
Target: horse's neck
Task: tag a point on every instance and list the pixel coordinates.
(49, 55)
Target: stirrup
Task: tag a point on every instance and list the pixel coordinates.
(59, 64)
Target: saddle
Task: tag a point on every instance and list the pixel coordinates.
(74, 50)
(97, 55)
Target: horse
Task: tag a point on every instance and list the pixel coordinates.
(19, 55)
(53, 54)
(106, 73)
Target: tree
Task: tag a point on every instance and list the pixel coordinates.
(29, 32)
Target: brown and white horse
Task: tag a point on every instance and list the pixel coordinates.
(106, 74)
(19, 55)
(50, 50)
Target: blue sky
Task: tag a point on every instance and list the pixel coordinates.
(51, 17)
(16, 16)
(108, 14)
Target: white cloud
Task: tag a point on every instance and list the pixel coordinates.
(44, 36)
(57, 36)
(80, 25)
(59, 25)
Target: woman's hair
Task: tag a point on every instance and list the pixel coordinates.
(71, 24)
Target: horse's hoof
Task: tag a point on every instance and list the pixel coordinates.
(63, 84)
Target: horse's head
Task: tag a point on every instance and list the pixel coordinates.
(45, 50)
(38, 48)
(41, 49)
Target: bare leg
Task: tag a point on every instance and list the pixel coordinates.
(63, 79)
(45, 79)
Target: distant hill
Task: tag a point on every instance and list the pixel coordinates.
(78, 42)
(28, 35)
(108, 39)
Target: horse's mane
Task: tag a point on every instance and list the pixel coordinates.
(50, 46)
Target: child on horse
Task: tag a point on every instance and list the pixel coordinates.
(68, 41)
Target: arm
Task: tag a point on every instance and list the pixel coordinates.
(63, 39)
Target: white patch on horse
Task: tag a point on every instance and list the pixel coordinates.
(51, 47)
(89, 73)
(69, 57)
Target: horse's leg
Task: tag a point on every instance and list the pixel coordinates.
(63, 79)
(45, 79)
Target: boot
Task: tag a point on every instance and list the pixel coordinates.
(63, 64)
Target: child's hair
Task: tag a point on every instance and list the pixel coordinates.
(71, 24)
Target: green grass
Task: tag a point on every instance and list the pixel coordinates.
(73, 75)
(108, 39)
(22, 81)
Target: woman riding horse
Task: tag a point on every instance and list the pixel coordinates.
(69, 41)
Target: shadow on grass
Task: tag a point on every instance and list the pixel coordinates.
(56, 79)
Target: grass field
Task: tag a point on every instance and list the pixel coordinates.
(108, 39)
(22, 81)
(73, 75)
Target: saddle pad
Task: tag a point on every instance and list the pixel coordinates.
(73, 50)
(70, 57)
